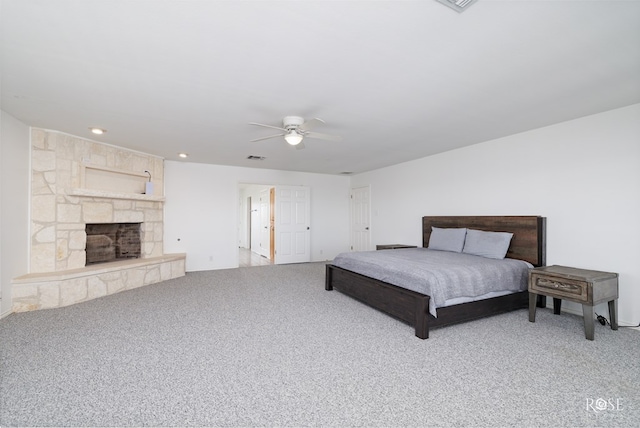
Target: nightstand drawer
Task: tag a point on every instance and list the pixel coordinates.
(560, 287)
(393, 246)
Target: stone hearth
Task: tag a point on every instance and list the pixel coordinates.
(75, 182)
(57, 289)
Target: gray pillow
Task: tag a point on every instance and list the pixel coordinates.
(493, 245)
(449, 239)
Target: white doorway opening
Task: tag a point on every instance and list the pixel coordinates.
(274, 223)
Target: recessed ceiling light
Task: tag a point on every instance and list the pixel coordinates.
(98, 131)
(183, 155)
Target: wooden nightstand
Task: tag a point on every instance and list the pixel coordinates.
(588, 287)
(393, 246)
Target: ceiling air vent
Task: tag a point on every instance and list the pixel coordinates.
(458, 5)
(252, 157)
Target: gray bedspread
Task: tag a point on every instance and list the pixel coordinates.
(442, 275)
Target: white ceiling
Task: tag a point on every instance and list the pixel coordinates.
(399, 80)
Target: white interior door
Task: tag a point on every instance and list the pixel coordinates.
(292, 224)
(265, 217)
(360, 219)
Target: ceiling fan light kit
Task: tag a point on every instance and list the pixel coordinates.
(293, 138)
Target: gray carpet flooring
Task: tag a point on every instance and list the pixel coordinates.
(268, 346)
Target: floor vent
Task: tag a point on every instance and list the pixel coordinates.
(458, 5)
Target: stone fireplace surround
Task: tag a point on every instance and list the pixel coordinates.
(76, 181)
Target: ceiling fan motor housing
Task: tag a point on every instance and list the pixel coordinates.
(292, 122)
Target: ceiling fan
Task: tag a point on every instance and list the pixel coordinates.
(294, 129)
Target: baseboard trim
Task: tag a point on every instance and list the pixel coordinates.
(6, 313)
(573, 311)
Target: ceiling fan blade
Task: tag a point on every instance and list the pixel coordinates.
(323, 136)
(267, 126)
(266, 138)
(310, 124)
(299, 146)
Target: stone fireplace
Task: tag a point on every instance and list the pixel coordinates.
(76, 183)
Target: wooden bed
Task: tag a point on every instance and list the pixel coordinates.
(528, 243)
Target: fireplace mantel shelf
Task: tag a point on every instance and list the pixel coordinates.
(115, 195)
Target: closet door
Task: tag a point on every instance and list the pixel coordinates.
(360, 219)
(292, 224)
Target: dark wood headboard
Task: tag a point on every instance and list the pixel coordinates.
(529, 240)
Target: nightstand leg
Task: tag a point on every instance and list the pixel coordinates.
(613, 314)
(588, 315)
(533, 299)
(557, 305)
(542, 301)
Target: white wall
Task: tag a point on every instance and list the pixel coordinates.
(14, 204)
(201, 211)
(583, 175)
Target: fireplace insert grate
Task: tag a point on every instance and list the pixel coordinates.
(108, 242)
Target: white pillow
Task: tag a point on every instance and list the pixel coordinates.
(449, 239)
(493, 245)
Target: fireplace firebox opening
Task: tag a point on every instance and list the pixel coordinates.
(107, 242)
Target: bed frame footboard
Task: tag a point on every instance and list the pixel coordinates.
(406, 305)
